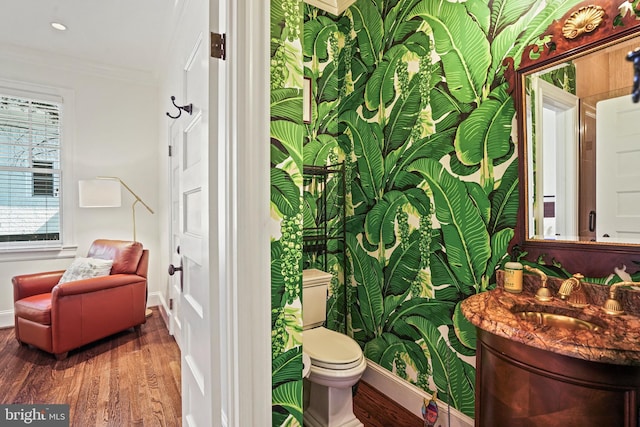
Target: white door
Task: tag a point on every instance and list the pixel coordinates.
(617, 171)
(194, 238)
(222, 215)
(176, 280)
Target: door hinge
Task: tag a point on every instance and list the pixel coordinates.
(170, 151)
(218, 46)
(170, 303)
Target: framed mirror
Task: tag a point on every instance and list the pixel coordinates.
(579, 149)
(582, 142)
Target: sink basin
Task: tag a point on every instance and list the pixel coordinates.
(557, 320)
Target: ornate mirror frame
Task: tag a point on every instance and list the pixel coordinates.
(599, 23)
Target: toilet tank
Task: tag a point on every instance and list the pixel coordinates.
(315, 285)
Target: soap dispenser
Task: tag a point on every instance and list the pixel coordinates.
(513, 277)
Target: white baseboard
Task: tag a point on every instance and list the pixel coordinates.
(154, 299)
(411, 397)
(163, 309)
(6, 319)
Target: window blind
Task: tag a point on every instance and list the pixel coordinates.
(30, 171)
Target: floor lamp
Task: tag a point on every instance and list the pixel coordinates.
(105, 192)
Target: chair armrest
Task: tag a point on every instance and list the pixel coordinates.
(95, 284)
(27, 285)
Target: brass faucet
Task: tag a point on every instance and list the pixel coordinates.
(612, 306)
(572, 291)
(543, 293)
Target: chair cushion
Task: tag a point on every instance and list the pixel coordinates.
(36, 308)
(86, 268)
(125, 254)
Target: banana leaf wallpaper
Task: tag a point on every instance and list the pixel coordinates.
(287, 132)
(411, 96)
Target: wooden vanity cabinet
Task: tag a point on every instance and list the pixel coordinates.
(522, 386)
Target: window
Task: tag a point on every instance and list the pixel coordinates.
(30, 170)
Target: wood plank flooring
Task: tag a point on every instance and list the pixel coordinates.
(129, 379)
(132, 379)
(374, 409)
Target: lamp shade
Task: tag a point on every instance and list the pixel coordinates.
(99, 193)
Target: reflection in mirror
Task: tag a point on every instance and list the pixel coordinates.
(583, 149)
(553, 133)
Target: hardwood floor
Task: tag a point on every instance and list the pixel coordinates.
(374, 409)
(129, 379)
(132, 379)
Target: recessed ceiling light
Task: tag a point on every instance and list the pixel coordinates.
(58, 26)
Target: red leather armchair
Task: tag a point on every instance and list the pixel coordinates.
(60, 317)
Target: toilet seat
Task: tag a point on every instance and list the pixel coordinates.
(331, 350)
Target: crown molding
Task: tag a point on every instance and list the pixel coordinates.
(44, 59)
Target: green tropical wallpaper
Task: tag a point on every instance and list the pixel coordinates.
(410, 95)
(287, 132)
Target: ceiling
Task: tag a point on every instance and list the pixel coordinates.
(129, 34)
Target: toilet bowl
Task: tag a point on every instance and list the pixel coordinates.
(336, 362)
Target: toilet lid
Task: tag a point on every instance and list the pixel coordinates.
(330, 349)
(313, 276)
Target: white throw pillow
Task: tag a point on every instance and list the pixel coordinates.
(86, 268)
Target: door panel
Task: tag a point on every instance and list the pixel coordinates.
(196, 351)
(175, 281)
(617, 172)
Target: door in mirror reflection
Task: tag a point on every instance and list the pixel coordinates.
(554, 187)
(618, 170)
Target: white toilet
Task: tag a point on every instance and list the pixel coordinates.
(336, 360)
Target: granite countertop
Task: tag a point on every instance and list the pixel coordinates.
(617, 341)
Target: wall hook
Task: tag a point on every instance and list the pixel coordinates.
(188, 108)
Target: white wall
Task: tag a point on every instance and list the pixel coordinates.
(116, 133)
